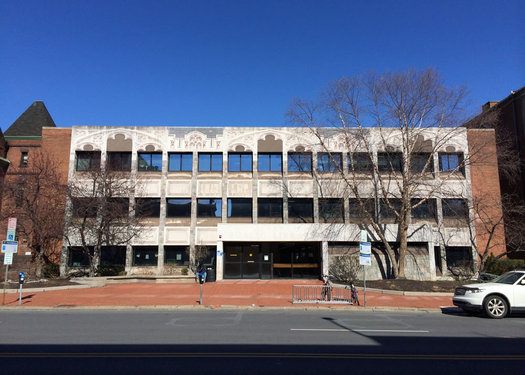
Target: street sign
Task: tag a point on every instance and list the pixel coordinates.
(11, 234)
(8, 258)
(11, 223)
(364, 236)
(365, 253)
(9, 246)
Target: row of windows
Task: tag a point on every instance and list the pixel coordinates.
(302, 209)
(270, 162)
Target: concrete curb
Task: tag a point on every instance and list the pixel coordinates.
(221, 307)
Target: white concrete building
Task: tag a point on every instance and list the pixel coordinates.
(266, 202)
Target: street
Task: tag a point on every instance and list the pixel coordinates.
(274, 341)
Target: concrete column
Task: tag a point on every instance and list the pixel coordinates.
(162, 215)
(324, 258)
(430, 247)
(219, 271)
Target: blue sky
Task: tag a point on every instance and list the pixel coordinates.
(237, 63)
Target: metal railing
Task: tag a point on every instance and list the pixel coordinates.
(321, 294)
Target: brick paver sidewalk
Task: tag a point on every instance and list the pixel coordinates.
(269, 293)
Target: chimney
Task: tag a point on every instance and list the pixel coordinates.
(488, 105)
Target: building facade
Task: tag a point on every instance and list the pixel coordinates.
(267, 203)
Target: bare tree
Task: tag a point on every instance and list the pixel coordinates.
(101, 213)
(392, 127)
(36, 197)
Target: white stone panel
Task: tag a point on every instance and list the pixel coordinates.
(206, 236)
(241, 188)
(456, 237)
(147, 236)
(301, 188)
(332, 188)
(179, 189)
(148, 188)
(211, 189)
(177, 236)
(270, 188)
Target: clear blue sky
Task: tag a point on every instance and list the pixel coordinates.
(239, 62)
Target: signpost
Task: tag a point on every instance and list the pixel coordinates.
(365, 257)
(9, 248)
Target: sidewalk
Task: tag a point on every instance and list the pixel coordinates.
(222, 294)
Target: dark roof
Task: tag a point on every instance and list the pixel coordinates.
(31, 122)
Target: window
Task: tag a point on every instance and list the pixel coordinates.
(113, 255)
(180, 162)
(360, 162)
(458, 256)
(331, 210)
(389, 161)
(178, 207)
(270, 207)
(451, 162)
(210, 162)
(78, 256)
(299, 162)
(355, 210)
(119, 161)
(269, 162)
(418, 161)
(454, 209)
(426, 210)
(329, 162)
(179, 255)
(117, 207)
(147, 207)
(300, 210)
(209, 207)
(239, 207)
(85, 207)
(145, 255)
(240, 162)
(150, 162)
(87, 160)
(23, 159)
(388, 213)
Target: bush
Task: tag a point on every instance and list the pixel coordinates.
(184, 271)
(500, 266)
(111, 270)
(344, 268)
(51, 271)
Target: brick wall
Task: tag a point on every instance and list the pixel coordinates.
(486, 194)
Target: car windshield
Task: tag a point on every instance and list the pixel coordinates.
(508, 278)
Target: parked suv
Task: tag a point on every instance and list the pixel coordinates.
(497, 298)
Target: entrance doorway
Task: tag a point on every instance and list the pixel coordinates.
(269, 260)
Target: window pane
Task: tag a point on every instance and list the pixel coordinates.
(204, 162)
(216, 162)
(427, 210)
(449, 162)
(270, 207)
(187, 162)
(360, 161)
(454, 209)
(418, 161)
(145, 255)
(331, 209)
(119, 161)
(329, 162)
(301, 208)
(246, 162)
(178, 207)
(209, 207)
(389, 162)
(239, 207)
(299, 162)
(147, 207)
(149, 161)
(174, 163)
(263, 162)
(355, 210)
(387, 212)
(179, 255)
(275, 162)
(234, 162)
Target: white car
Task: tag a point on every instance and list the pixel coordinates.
(497, 298)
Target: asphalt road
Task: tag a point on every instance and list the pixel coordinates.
(257, 342)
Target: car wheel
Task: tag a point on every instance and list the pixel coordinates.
(496, 307)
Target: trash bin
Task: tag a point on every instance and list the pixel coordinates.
(210, 274)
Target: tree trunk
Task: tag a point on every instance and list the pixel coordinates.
(38, 271)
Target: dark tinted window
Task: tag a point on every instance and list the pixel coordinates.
(299, 162)
(426, 210)
(145, 255)
(301, 208)
(111, 255)
(178, 207)
(388, 213)
(147, 207)
(239, 162)
(78, 256)
(239, 207)
(179, 255)
(418, 161)
(359, 162)
(389, 161)
(119, 161)
(331, 209)
(454, 209)
(270, 207)
(357, 212)
(209, 207)
(87, 160)
(180, 162)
